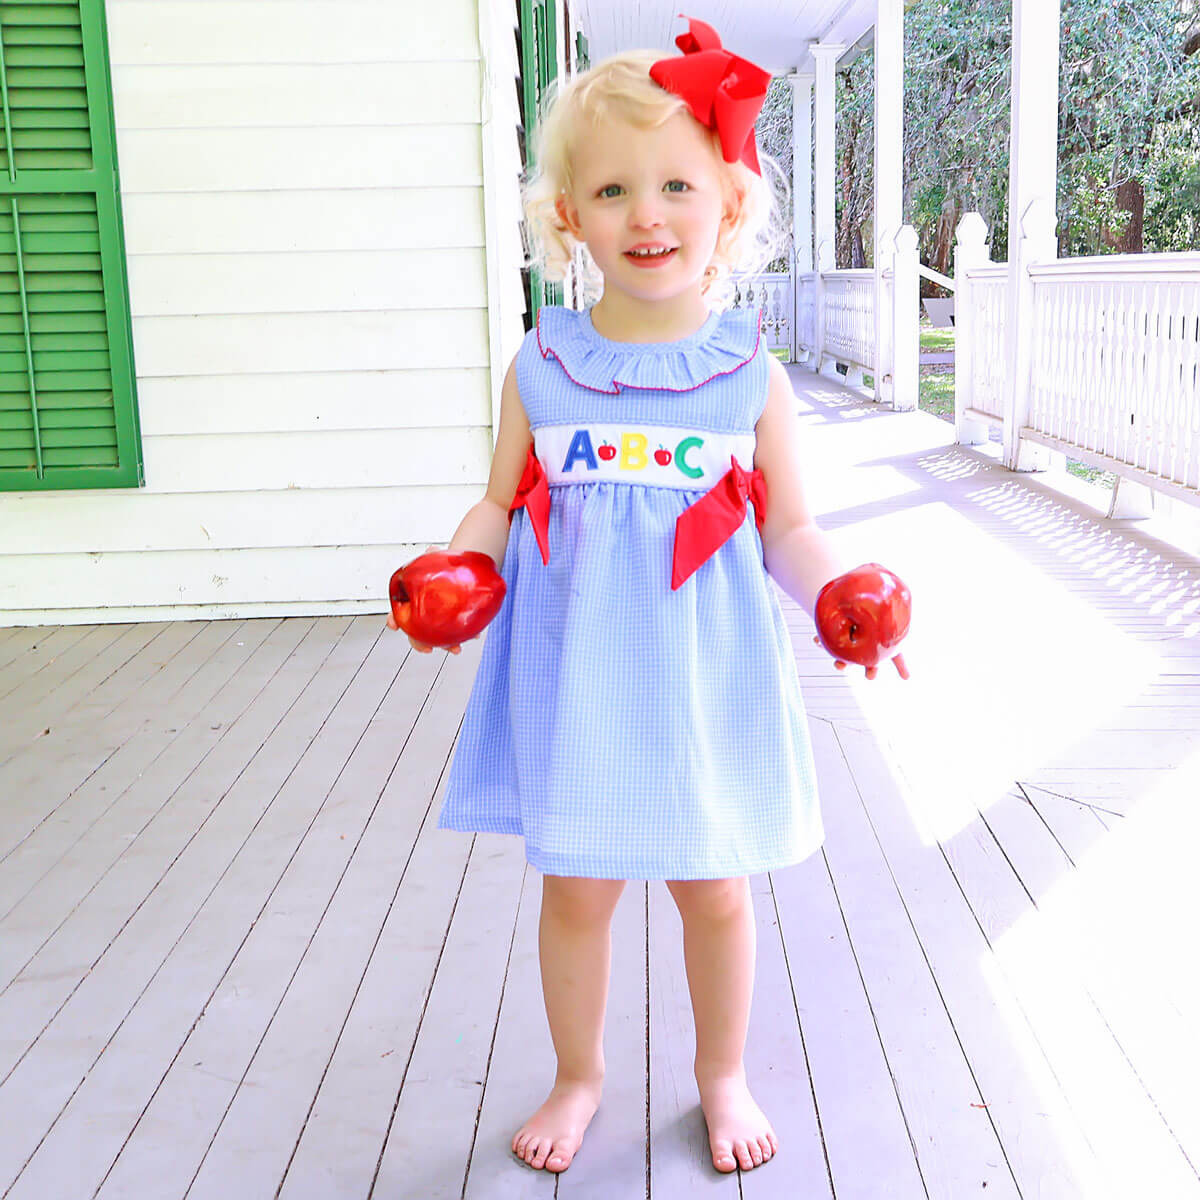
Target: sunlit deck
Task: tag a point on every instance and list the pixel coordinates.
(237, 960)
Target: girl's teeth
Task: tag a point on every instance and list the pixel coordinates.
(649, 253)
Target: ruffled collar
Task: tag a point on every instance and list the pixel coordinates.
(725, 342)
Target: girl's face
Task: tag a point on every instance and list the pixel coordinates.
(649, 203)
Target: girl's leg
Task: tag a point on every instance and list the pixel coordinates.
(719, 951)
(575, 946)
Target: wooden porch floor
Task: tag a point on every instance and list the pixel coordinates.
(237, 960)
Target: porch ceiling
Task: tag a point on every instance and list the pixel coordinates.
(776, 34)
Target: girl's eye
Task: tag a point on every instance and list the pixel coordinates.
(677, 185)
(613, 189)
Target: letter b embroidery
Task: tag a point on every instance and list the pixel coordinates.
(633, 451)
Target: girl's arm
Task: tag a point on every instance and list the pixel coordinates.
(798, 555)
(485, 526)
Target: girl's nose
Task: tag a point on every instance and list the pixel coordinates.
(646, 212)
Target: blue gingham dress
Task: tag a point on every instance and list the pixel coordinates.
(624, 729)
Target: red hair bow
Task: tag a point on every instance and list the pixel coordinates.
(724, 92)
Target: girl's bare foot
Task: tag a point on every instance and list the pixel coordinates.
(739, 1134)
(555, 1132)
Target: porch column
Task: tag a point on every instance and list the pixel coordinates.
(889, 191)
(825, 55)
(802, 172)
(1032, 200)
(803, 291)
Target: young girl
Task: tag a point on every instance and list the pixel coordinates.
(636, 713)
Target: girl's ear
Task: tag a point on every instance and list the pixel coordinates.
(731, 212)
(568, 214)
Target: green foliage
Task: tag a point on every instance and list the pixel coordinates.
(1129, 81)
(1127, 111)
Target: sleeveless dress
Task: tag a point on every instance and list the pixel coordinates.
(628, 729)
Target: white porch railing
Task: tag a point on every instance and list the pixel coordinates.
(1114, 375)
(1116, 359)
(849, 307)
(837, 317)
(774, 295)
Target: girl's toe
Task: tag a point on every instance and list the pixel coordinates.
(743, 1155)
(764, 1144)
(723, 1158)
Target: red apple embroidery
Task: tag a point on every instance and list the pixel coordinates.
(606, 451)
(662, 456)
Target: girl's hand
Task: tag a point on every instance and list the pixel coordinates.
(419, 647)
(897, 659)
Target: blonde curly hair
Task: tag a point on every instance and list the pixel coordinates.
(621, 87)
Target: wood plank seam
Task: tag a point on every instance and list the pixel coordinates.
(94, 963)
(874, 1019)
(202, 715)
(1089, 988)
(933, 976)
(379, 934)
(420, 1021)
(348, 755)
(803, 1041)
(512, 941)
(51, 933)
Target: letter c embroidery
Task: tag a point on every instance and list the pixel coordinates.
(688, 443)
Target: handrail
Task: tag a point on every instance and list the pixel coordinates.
(936, 276)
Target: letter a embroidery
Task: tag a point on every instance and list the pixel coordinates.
(581, 448)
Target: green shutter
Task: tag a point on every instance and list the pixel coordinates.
(68, 408)
(539, 67)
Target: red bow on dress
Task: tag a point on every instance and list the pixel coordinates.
(723, 91)
(704, 527)
(533, 494)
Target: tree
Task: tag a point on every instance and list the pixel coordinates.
(1129, 127)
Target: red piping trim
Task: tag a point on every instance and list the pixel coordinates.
(547, 351)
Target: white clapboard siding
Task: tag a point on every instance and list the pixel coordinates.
(231, 521)
(316, 285)
(402, 218)
(315, 401)
(231, 160)
(325, 341)
(298, 95)
(237, 577)
(499, 39)
(371, 457)
(169, 285)
(152, 32)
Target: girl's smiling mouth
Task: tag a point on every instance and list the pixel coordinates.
(647, 255)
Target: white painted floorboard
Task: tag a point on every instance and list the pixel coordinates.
(239, 960)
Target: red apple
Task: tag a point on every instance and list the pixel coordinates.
(606, 451)
(662, 456)
(861, 615)
(443, 598)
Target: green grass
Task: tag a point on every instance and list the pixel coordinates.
(936, 395)
(1091, 474)
(939, 340)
